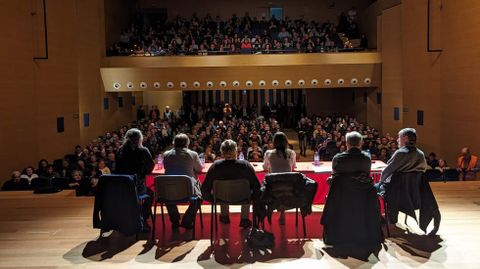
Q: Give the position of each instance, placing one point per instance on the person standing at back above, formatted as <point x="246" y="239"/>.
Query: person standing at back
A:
<point x="280" y="159"/>
<point x="135" y="159"/>
<point x="182" y="161"/>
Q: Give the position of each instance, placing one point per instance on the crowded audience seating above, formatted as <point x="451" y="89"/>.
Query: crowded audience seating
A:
<point x="238" y="35"/>
<point x="207" y="127"/>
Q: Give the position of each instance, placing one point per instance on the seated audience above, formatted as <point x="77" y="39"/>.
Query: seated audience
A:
<point x="102" y="166"/>
<point x="351" y="179"/>
<point x="182" y="161"/>
<point x="228" y="169"/>
<point x="206" y="36"/>
<point x="42" y="167"/>
<point x="408" y="158"/>
<point x="80" y="184"/>
<point x="432" y="160"/>
<point x="16" y="183"/>
<point x="468" y="165"/>
<point x="29" y="174"/>
<point x="50" y="173"/>
<point x="442" y="165"/>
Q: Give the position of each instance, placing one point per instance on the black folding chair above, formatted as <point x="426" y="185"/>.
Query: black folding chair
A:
<point x="282" y="186"/>
<point x="229" y="192"/>
<point x="174" y="190"/>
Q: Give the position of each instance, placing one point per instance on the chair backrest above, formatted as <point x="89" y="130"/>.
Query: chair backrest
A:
<point x="282" y="184"/>
<point x="405" y="191"/>
<point x="116" y="204"/>
<point x="173" y="188"/>
<point x="451" y="174"/>
<point x="433" y="175"/>
<point x="232" y="191"/>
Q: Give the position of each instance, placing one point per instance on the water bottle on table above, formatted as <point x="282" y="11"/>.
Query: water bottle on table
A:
<point x="316" y="159"/>
<point x="240" y="156"/>
<point x="202" y="160"/>
<point x="160" y="161"/>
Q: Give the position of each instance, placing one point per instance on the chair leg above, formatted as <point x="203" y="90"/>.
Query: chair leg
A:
<point x="163" y="216"/>
<point x="216" y="218"/>
<point x="406" y="216"/>
<point x="254" y="218"/>
<point x="201" y="215"/>
<point x="296" y="217"/>
<point x="194" y="221"/>
<point x="154" y="219"/>
<point x="385" y="209"/>
<point x="304" y="227"/>
<point x="212" y="223"/>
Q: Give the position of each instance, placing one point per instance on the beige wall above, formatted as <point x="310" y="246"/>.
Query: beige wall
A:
<point x="311" y="10"/>
<point x="118" y="16"/>
<point x="35" y="93"/>
<point x="392" y="79"/>
<point x="460" y="79"/>
<point x="442" y="84"/>
<point x="173" y="99"/>
<point x="339" y="101"/>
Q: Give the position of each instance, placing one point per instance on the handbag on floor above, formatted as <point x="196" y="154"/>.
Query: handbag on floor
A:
<point x="260" y="239"/>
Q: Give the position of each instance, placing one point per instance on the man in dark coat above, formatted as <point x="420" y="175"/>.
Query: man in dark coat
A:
<point x="352" y="213"/>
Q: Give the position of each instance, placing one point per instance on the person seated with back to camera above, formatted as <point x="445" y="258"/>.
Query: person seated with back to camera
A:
<point x="351" y="178"/>
<point x="135" y="159"/>
<point x="182" y="161"/>
<point x="280" y="159"/>
<point x="408" y="158"/>
<point x="228" y="169"/>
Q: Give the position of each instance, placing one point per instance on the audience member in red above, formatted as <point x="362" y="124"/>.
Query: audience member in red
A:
<point x="468" y="165"/>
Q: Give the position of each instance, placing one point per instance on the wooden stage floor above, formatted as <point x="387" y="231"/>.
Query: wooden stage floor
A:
<point x="55" y="230"/>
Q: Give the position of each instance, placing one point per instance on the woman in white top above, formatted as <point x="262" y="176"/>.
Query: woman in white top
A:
<point x="280" y="159"/>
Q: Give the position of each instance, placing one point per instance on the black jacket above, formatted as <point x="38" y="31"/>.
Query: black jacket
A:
<point x="117" y="205"/>
<point x="137" y="161"/>
<point x="407" y="192"/>
<point x="283" y="191"/>
<point x="351" y="215"/>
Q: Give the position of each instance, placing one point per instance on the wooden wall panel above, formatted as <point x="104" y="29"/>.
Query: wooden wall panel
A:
<point x="310" y="10"/>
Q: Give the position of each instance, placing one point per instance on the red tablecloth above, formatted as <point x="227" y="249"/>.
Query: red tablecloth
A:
<point x="318" y="173"/>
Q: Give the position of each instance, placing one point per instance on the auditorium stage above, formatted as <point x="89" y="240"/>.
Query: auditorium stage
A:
<point x="55" y="231"/>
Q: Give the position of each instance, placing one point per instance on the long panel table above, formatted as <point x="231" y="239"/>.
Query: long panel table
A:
<point x="318" y="173"/>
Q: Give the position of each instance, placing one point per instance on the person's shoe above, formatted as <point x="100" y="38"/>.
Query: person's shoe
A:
<point x="225" y="219"/>
<point x="281" y="219"/>
<point x="245" y="223"/>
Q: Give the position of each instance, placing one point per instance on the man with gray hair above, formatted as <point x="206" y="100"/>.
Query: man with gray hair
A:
<point x="228" y="169"/>
<point x="352" y="200"/>
<point x="182" y="161"/>
<point x="408" y="158"/>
